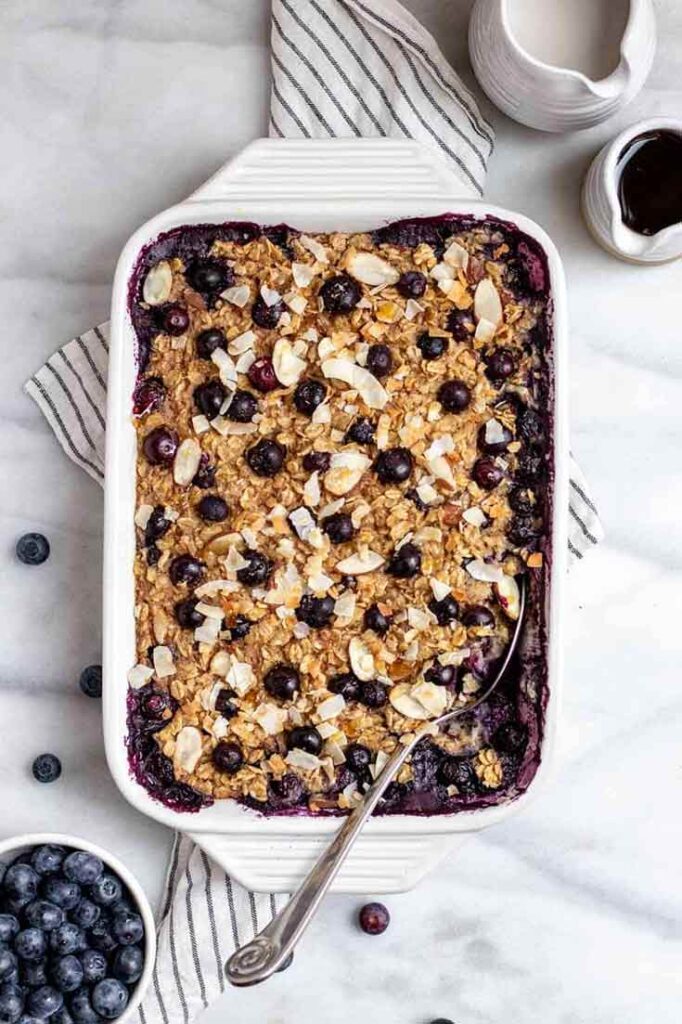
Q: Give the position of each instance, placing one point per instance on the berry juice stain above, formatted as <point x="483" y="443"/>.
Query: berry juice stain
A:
<point x="650" y="185"/>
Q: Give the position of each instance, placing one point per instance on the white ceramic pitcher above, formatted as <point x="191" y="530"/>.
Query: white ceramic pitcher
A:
<point x="542" y="94"/>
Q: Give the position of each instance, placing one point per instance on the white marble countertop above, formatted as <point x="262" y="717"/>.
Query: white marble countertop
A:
<point x="570" y="913"/>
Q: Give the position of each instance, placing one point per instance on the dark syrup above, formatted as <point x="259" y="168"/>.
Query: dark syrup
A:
<point x="650" y="186"/>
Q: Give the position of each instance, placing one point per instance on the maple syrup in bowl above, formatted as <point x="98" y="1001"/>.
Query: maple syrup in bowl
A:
<point x="650" y="181"/>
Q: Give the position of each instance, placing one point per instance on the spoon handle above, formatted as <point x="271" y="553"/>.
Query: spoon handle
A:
<point x="261" y="957"/>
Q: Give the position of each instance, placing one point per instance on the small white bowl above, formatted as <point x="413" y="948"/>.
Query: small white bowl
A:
<point x="16" y="845"/>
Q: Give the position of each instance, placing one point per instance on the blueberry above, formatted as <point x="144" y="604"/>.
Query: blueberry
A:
<point x="446" y="610"/>
<point x="213" y="509"/>
<point x="258" y="570"/>
<point x="44" y="1001"/>
<point x="109" y="998"/>
<point x="267" y="316"/>
<point x="282" y="681"/>
<point x="65" y="894"/>
<point x="11" y="1003"/>
<point x="81" y="1008"/>
<point x="266" y="458"/>
<point x="90" y="681"/>
<point x="47" y="860"/>
<point x="243" y="407"/>
<point x="440" y="675"/>
<point x="316" y="612"/>
<point x="127" y="964"/>
<point x="487" y="474"/>
<point x="33" y="549"/>
<point x="33" y="975"/>
<point x="44" y="915"/>
<point x="373" y="694"/>
<point x="358" y="757"/>
<point x="8" y="963"/>
<point x="347" y="684"/>
<point x="305" y="737"/>
<point x="406" y="562"/>
<point x="205" y="475"/>
<point x="94" y="964"/>
<point x="186" y="569"/>
<point x="262" y="375"/>
<point x="308" y="395"/>
<point x="379" y="360"/>
<point x="46" y="768"/>
<point x="82" y="867"/>
<point x="460" y="323"/>
<point x="67" y="973"/>
<point x="208" y="341"/>
<point x="209" y="276"/>
<point x="361" y="431"/>
<point x="224" y="704"/>
<point x="62" y="1016"/>
<point x="240" y="627"/>
<point x="153" y="705"/>
<point x="340" y="294"/>
<point x="454" y="395"/>
<point x="510" y="737"/>
<point x="503" y="438"/>
<point x="228" y="758"/>
<point x="186" y="614"/>
<point x="530" y="465"/>
<point x="209" y="398"/>
<point x="160" y="446"/>
<point x="500" y="364"/>
<point x="529" y="425"/>
<point x="431" y="346"/>
<point x="411" y="284"/>
<point x="393" y="465"/>
<point x="174" y="319"/>
<point x="413" y="496"/>
<point x="459" y="772"/>
<point x="67" y="938"/>
<point x="375" y="620"/>
<point x="149" y="395"/>
<point x="85" y="914"/>
<point x="21" y="881"/>
<point x="108" y="890"/>
<point x="316" y="462"/>
<point x="477" y="615"/>
<point x="374" y="918"/>
<point x="100" y="936"/>
<point x="287" y="791"/>
<point x="338" y="527"/>
<point x="157" y="525"/>
<point x="522" y="532"/>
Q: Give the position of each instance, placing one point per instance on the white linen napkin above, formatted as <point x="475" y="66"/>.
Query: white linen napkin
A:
<point x="339" y="68"/>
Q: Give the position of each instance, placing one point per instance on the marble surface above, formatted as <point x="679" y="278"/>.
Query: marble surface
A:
<point x="572" y="913"/>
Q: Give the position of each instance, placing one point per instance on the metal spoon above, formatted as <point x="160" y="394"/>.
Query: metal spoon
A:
<point x="261" y="957"/>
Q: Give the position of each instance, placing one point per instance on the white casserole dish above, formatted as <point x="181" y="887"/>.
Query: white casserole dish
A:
<point x="314" y="185"/>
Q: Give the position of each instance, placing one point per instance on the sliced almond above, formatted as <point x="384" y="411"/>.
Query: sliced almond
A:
<point x="487" y="302"/>
<point x="187" y="749"/>
<point x="361" y="659"/>
<point x="359" y="563"/>
<point x="163" y="662"/>
<point x="507" y="592"/>
<point x="186" y="462"/>
<point x="157" y="284"/>
<point x="371" y="269"/>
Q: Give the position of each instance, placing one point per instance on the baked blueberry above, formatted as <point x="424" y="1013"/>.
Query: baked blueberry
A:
<point x="43" y="915"/>
<point x="174" y="319"/>
<point x="47" y="768"/>
<point x="413" y="496"/>
<point x="379" y="360"/>
<point x="494" y="440"/>
<point x="316" y="612"/>
<point x="224" y="704"/>
<point x="262" y="375"/>
<point x="374" y="918"/>
<point x="213" y="509"/>
<point x="406" y="562"/>
<point x="287" y="791"/>
<point x="358" y="758"/>
<point x="308" y="395"/>
<point x="240" y="627"/>
<point x="440" y="675"/>
<point x="90" y="681"/>
<point x="108" y="890"/>
<point x="243" y="407"/>
<point x="338" y="527"/>
<point x="208" y="341"/>
<point x="511" y="737"/>
<point x="153" y="705"/>
<point x="446" y="610"/>
<point x="205" y="475"/>
<point x="266" y="458"/>
<point x="459" y="772"/>
<point x="282" y="681"/>
<point x="460" y="323"/>
<point x="186" y="569"/>
<point x="305" y="737"/>
<point x="209" y="397"/>
<point x="487" y="474"/>
<point x="109" y="998"/>
<point x="500" y="364"/>
<point x="521" y="500"/>
<point x="530" y="465"/>
<point x="9" y="927"/>
<point x="67" y="973"/>
<point x="347" y="684"/>
<point x="361" y="431"/>
<point x="47" y="860"/>
<point x="44" y="1001"/>
<point x="67" y="938"/>
<point x="61" y="891"/>
<point x="186" y="614"/>
<point x="477" y="615"/>
<point x="160" y="446"/>
<point x="393" y="465"/>
<point x="149" y="395"/>
<point x="94" y="964"/>
<point x="267" y="316"/>
<point x="373" y="694"/>
<point x="431" y="346"/>
<point x="86" y="913"/>
<point x="127" y="964"/>
<point x="157" y="525"/>
<point x="375" y="620"/>
<point x="411" y="284"/>
<point x="82" y="1009"/>
<point x="258" y="570"/>
<point x="8" y="964"/>
<point x="33" y="549"/>
<point x="454" y="395"/>
<point x="228" y="758"/>
<point x="529" y="425"/>
<point x="11" y="1002"/>
<point x="209" y="276"/>
<point x="316" y="462"/>
<point x="523" y="532"/>
<point x="340" y="294"/>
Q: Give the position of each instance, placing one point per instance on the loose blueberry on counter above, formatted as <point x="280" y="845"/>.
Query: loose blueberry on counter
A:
<point x="213" y="509"/>
<point x="240" y="627"/>
<point x="174" y="320"/>
<point x="208" y="341"/>
<point x="287" y="791"/>
<point x="266" y="458"/>
<point x="33" y="549"/>
<point x="461" y="325"/>
<point x="186" y="569"/>
<point x="127" y="964"/>
<point x="228" y="758"/>
<point x="406" y="562"/>
<point x="530" y="465"/>
<point x="43" y="915"/>
<point x="494" y="447"/>
<point x="160" y="446"/>
<point x="209" y="276"/>
<point x="209" y="397"/>
<point x="90" y="681"/>
<point x="441" y="675"/>
<point x="477" y="615"/>
<point x="67" y="973"/>
<point x="521" y="500"/>
<point x="500" y="364"/>
<point x="224" y="705"/>
<point x="361" y="431"/>
<point x="243" y="407"/>
<point x="431" y="346"/>
<point x="304" y="737"/>
<point x="316" y="462"/>
<point x="108" y="890"/>
<point x="487" y="474"/>
<point x="379" y="360"/>
<point x="347" y="684"/>
<point x="65" y="894"/>
<point x="205" y="475"/>
<point x="11" y="1002"/>
<point x="459" y="772"/>
<point x="446" y="610"/>
<point x="510" y="738"/>
<point x="338" y="527"/>
<point x="262" y="375"/>
<point x="358" y="758"/>
<point x="9" y="927"/>
<point x="374" y="918"/>
<point x="82" y="867"/>
<point x="308" y="395"/>
<point x="375" y="620"/>
<point x="522" y="532"/>
<point x="46" y="768"/>
<point x="67" y="938"/>
<point x="393" y="465"/>
<point x="86" y="913"/>
<point x="454" y="395"/>
<point x="186" y="614"/>
<point x="47" y="860"/>
<point x="44" y="1001"/>
<point x="282" y="681"/>
<point x="340" y="294"/>
<point x="267" y="316"/>
<point x="411" y="284"/>
<point x="8" y="964"/>
<point x="373" y="694"/>
<point x="94" y="964"/>
<point x="258" y="570"/>
<point x="316" y="612"/>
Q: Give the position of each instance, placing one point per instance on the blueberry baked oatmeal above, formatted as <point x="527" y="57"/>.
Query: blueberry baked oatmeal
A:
<point x="343" y="470"/>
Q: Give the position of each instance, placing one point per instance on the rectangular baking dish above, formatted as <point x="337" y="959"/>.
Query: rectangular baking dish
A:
<point x="314" y="185"/>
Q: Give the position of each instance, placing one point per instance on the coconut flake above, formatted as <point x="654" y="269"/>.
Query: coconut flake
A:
<point x="242" y="343"/>
<point x="157" y="284"/>
<point x="139" y="676"/>
<point x="298" y="758"/>
<point x="311" y="490"/>
<point x="287" y="365"/>
<point x="240" y="676"/>
<point x="346" y="469"/>
<point x="315" y="247"/>
<point x="487" y="302"/>
<point x="142" y="516"/>
<point x="438" y="588"/>
<point x="361" y="659"/>
<point x="474" y="516"/>
<point x="163" y="662"/>
<point x="334" y="751"/>
<point x="238" y="295"/>
<point x="371" y="269"/>
<point x="412" y="309"/>
<point x="301" y="630"/>
<point x="211" y="611"/>
<point x="457" y="256"/>
<point x="220" y="728"/>
<point x="380" y="760"/>
<point x="200" y="424"/>
<point x="344" y="606"/>
<point x="213" y="586"/>
<point x="443" y="273"/>
<point x="234" y="560"/>
<point x="220" y="662"/>
<point x="485" y="572"/>
<point x="245" y="362"/>
<point x="332" y="507"/>
<point x="365" y="383"/>
<point x="302" y="522"/>
<point x="454" y="657"/>
<point x="288" y="589"/>
<point x="226" y="368"/>
<point x="418" y="619"/>
<point x="404" y="703"/>
<point x="434" y="699"/>
<point x="331" y="707"/>
<point x="296" y="302"/>
<point x="187" y="748"/>
<point x="363" y="561"/>
<point x="303" y="274"/>
<point x="427" y="492"/>
<point x="270" y="296"/>
<point x="186" y="462"/>
<point x="270" y="718"/>
<point x="208" y="631"/>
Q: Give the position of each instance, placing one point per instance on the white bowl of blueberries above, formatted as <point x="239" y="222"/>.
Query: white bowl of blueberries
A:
<point x="77" y="936"/>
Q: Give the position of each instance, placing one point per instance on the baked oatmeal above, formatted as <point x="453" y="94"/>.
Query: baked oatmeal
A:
<point x="343" y="470"/>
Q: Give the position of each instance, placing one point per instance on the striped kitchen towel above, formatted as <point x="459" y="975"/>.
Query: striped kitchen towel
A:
<point x="339" y="68"/>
